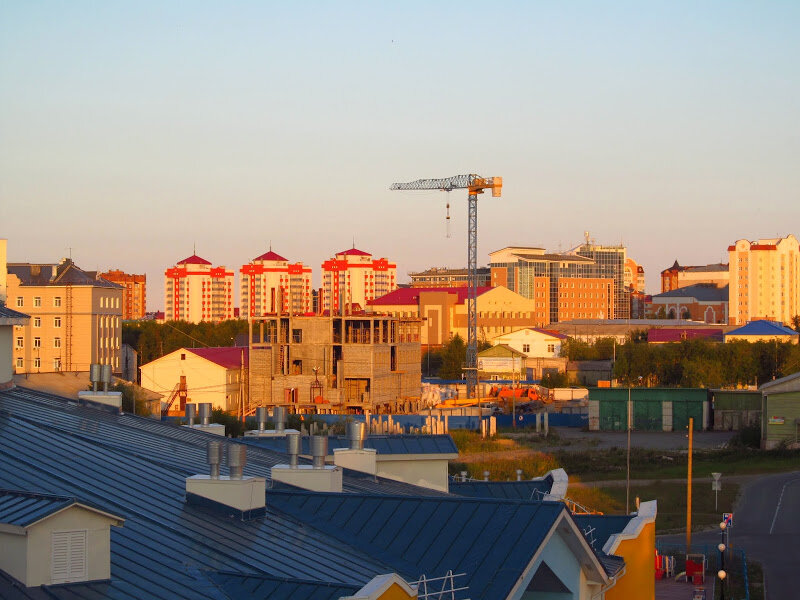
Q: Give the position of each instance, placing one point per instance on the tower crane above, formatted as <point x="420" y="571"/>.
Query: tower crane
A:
<point x="474" y="184"/>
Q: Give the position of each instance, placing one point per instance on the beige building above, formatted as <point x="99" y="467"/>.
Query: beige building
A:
<point x="352" y="278"/>
<point x="272" y="285"/>
<point x="134" y="293"/>
<point x="195" y="291"/>
<point x="76" y="318"/>
<point x="634" y="276"/>
<point x="764" y="280"/>
<point x="334" y="364"/>
<point x="215" y="375"/>
<point x="445" y="311"/>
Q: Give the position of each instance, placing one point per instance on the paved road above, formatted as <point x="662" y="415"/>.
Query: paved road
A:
<point x="767" y="526"/>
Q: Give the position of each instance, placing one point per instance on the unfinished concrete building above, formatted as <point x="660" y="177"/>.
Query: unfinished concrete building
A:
<point x="334" y="364"/>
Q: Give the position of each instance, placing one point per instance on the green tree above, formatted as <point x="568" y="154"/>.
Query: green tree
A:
<point x="454" y="355"/>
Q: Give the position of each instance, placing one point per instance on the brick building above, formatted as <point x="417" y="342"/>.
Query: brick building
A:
<point x="134" y="293"/>
<point x="352" y="278"/>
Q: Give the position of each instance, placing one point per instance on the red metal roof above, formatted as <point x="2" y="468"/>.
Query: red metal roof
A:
<point x="410" y="296"/>
<point x="656" y="336"/>
<point x="229" y="357"/>
<point x="270" y="256"/>
<point x="354" y="252"/>
<point x="194" y="260"/>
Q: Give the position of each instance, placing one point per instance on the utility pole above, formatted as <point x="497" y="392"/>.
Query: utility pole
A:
<point x="689" y="491"/>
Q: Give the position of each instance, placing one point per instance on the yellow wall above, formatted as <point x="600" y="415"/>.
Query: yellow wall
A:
<point x="395" y="592"/>
<point x="639" y="580"/>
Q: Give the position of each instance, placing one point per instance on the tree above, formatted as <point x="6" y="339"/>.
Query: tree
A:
<point x="454" y="355"/>
<point x="796" y="322"/>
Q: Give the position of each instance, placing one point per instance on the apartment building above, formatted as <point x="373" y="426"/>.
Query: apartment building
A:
<point x="195" y="291"/>
<point x="442" y="277"/>
<point x="134" y="293"/>
<point x="75" y="317"/>
<point x="270" y="284"/>
<point x="352" y="278"/>
<point x="679" y="276"/>
<point x="764" y="280"/>
<point x="564" y="286"/>
<point x="634" y="276"/>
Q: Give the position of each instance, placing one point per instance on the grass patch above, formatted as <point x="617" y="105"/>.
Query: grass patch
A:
<point x="469" y="442"/>
<point x="671" y="499"/>
<point x="534" y="464"/>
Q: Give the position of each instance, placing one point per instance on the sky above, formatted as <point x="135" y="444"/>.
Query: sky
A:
<point x="131" y="132"/>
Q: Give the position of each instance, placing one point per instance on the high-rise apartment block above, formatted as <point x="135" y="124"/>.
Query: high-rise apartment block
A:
<point x="272" y="285"/>
<point x="564" y="286"/>
<point x="352" y="278"/>
<point x="76" y="318"/>
<point x="764" y="280"/>
<point x="134" y="293"/>
<point x="634" y="276"/>
<point x="195" y="291"/>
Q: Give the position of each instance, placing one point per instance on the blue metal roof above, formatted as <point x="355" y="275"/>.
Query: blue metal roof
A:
<point x="382" y="444"/>
<point x="763" y="327"/>
<point x="24" y="508"/>
<point x="492" y="541"/>
<point x="236" y="585"/>
<point x="598" y="528"/>
<point x="517" y="490"/>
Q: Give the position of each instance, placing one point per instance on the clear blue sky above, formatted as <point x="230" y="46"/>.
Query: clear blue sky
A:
<point x="129" y="131"/>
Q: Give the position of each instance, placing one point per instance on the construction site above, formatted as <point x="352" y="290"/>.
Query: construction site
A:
<point x="340" y="364"/>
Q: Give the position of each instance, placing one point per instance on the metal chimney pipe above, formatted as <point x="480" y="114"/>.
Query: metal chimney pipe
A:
<point x="237" y="459"/>
<point x="293" y="448"/>
<point x="214" y="458"/>
<point x="519" y="474"/>
<point x="191" y="413"/>
<point x="463" y="475"/>
<point x="106" y="375"/>
<point x="94" y="375"/>
<point x="279" y="418"/>
<point x="355" y="435"/>
<point x="486" y="475"/>
<point x="319" y="450"/>
<point x="261" y="417"/>
<point x="205" y="412"/>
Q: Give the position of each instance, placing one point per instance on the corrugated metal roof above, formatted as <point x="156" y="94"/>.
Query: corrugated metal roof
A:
<point x="25" y="508"/>
<point x="230" y="357"/>
<point x="762" y="327"/>
<point x="14" y="317"/>
<point x="492" y="541"/>
<point x="382" y="444"/>
<point x="704" y="292"/>
<point x="598" y="528"/>
<point x="531" y="490"/>
<point x="236" y="585"/>
<point x="655" y="336"/>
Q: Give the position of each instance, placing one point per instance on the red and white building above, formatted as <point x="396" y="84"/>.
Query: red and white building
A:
<point x="271" y="285"/>
<point x="352" y="278"/>
<point x="195" y="291"/>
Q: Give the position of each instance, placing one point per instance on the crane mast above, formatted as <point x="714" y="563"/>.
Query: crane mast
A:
<point x="475" y="184"/>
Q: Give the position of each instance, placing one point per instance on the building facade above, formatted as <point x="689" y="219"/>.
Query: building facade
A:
<point x="563" y="286"/>
<point x="764" y="280"/>
<point x="634" y="276"/>
<point x="678" y="276"/>
<point x="270" y="284"/>
<point x="195" y="291"/>
<point x="76" y="318"/>
<point x="700" y="302"/>
<point x="442" y="277"/>
<point x="352" y="278"/>
<point x="609" y="264"/>
<point x="134" y="293"/>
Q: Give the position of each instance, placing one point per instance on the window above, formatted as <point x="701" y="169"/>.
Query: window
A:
<point x="37" y="362"/>
<point x="183" y="357"/>
<point x="20" y="302"/>
<point x="551" y="347"/>
<point x="57" y="364"/>
<point x="297" y="336"/>
<point x="37" y="322"/>
<point x="526" y="348"/>
<point x="20" y="363"/>
<point x="56" y="322"/>
<point x="20" y="342"/>
<point x="57" y="301"/>
<point x="37" y="342"/>
<point x="68" y="556"/>
<point x="57" y="342"/>
<point x="37" y="301"/>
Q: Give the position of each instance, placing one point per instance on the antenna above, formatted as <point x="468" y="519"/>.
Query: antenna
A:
<point x="447" y="219"/>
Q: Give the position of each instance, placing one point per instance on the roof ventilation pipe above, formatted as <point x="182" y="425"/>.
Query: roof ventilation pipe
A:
<point x="237" y="459"/>
<point x="519" y="474"/>
<point x="355" y="435"/>
<point x="261" y="417"/>
<point x="279" y="418"/>
<point x="106" y="376"/>
<point x="486" y="475"/>
<point x="191" y="413"/>
<point x="319" y="450"/>
<point x="205" y="413"/>
<point x="293" y="448"/>
<point x="214" y="458"/>
<point x="94" y="375"/>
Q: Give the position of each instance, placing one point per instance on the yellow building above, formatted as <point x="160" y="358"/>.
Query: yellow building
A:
<point x="445" y="311"/>
<point x="76" y="318"/>
<point x="764" y="280"/>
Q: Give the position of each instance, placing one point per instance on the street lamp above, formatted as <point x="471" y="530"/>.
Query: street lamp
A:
<point x="721" y="573"/>
<point x="628" y="455"/>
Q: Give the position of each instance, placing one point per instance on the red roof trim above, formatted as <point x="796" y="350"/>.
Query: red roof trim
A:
<point x="194" y="260"/>
<point x="271" y="256"/>
<point x="354" y="252"/>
